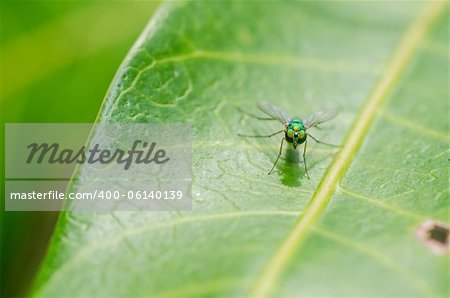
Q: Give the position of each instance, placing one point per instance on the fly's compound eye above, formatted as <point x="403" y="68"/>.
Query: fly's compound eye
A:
<point x="290" y="134"/>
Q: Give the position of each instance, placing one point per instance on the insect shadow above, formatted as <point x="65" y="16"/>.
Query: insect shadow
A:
<point x="291" y="169"/>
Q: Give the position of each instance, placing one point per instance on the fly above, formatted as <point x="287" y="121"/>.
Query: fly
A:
<point x="295" y="129"/>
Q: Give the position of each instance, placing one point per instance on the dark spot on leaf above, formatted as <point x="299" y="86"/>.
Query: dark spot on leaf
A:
<point x="435" y="235"/>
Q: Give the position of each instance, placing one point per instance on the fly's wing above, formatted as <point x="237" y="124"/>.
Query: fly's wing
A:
<point x="319" y="117"/>
<point x="274" y="111"/>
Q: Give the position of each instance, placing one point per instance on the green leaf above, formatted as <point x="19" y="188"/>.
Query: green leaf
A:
<point x="349" y="231"/>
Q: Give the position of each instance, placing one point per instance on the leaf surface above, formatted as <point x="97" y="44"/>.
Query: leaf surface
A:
<point x="349" y="231"/>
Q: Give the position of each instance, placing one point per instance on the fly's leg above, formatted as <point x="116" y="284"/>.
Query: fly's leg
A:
<point x="258" y="136"/>
<point x="320" y="142"/>
<point x="268" y="136"/>
<point x="278" y="157"/>
<point x="304" y="160"/>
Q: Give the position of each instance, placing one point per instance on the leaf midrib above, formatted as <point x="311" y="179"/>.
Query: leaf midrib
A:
<point x="409" y="44"/>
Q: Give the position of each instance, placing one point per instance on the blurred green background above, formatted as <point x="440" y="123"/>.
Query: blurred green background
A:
<point x="57" y="59"/>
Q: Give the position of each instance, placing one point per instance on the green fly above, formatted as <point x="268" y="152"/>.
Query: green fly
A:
<point x="295" y="129"/>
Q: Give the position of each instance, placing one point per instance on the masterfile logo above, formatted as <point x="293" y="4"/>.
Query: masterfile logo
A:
<point x="53" y="154"/>
<point x="106" y="167"/>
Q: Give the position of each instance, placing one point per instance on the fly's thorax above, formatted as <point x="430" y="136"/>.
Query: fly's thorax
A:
<point x="295" y="132"/>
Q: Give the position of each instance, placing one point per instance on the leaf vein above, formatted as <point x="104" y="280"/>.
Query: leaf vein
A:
<point x="409" y="44"/>
<point x="378" y="203"/>
<point x="382" y="259"/>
